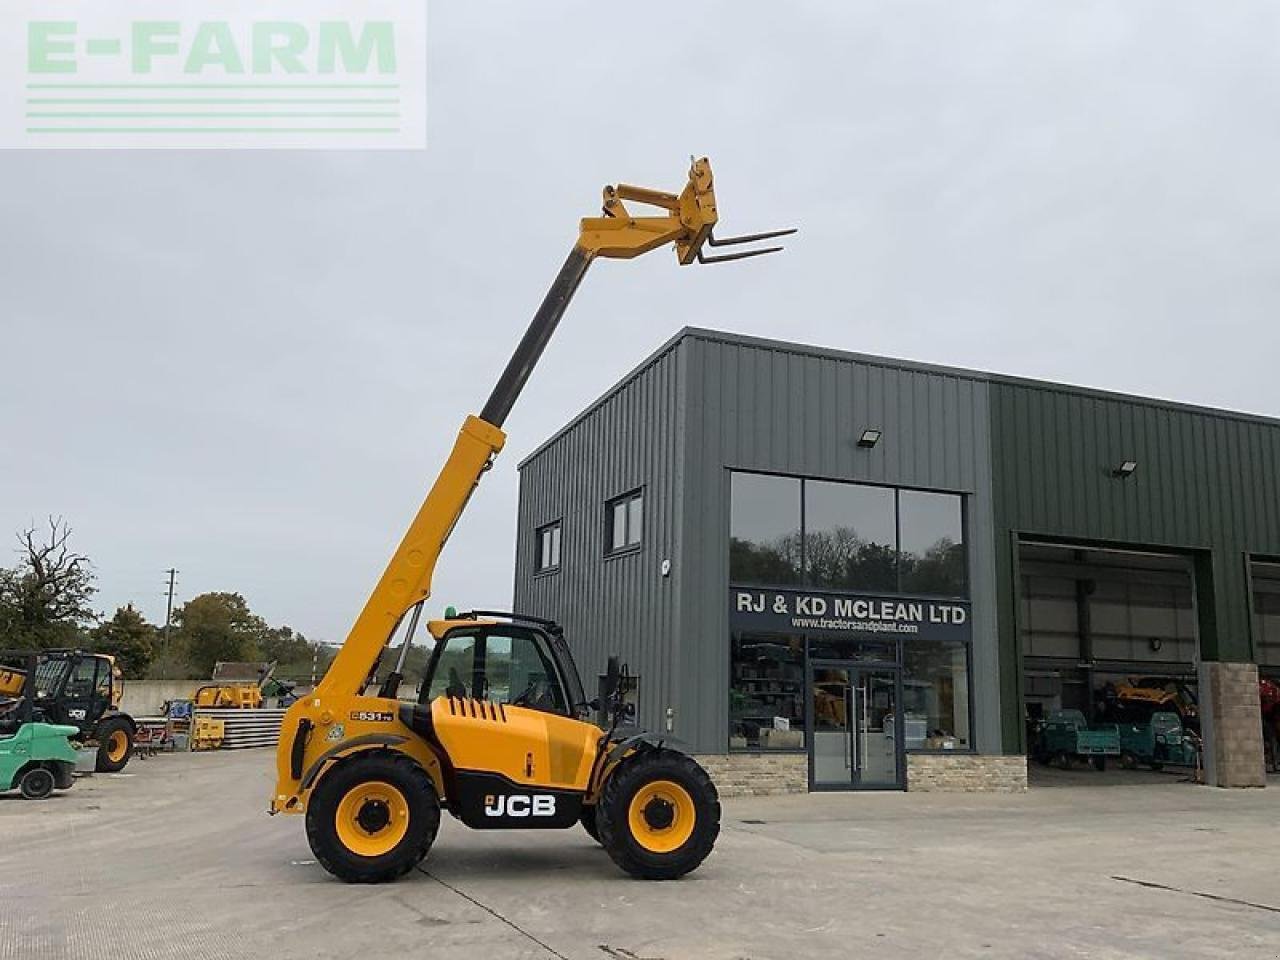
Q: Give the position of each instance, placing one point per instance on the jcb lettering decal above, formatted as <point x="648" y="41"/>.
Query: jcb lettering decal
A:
<point x="520" y="805"/>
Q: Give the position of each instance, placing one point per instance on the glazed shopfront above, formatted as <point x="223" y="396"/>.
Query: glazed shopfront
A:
<point x="851" y="628"/>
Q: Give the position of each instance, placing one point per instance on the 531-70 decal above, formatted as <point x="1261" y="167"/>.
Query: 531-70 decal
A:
<point x="372" y="716"/>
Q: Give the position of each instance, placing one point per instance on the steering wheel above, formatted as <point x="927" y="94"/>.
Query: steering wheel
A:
<point x="535" y="694"/>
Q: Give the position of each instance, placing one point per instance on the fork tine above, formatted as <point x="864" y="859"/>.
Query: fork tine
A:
<point x="726" y="257"/>
<point x="749" y="237"/>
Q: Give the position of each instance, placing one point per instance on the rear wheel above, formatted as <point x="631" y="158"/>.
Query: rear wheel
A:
<point x="588" y="820"/>
<point x="373" y="818"/>
<point x="115" y="745"/>
<point x="659" y="815"/>
<point x="37" y="783"/>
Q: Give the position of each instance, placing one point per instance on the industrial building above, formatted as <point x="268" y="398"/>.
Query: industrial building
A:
<point x="835" y="571"/>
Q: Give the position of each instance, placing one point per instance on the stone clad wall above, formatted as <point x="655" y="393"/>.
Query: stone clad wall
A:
<point x="762" y="774"/>
<point x="1232" y="719"/>
<point x="966" y="773"/>
<point x="757" y="775"/>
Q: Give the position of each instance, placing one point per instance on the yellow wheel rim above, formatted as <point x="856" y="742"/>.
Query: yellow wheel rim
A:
<point x="117" y="745"/>
<point x="372" y="818"/>
<point x="661" y="816"/>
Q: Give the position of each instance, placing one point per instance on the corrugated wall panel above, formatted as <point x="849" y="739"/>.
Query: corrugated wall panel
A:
<point x="756" y="405"/>
<point x="619" y="604"/>
<point x="1207" y="482"/>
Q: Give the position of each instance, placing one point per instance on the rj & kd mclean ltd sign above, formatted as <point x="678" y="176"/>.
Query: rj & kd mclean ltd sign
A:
<point x="884" y="615"/>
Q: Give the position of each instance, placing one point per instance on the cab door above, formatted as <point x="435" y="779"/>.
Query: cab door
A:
<point x="87" y="693"/>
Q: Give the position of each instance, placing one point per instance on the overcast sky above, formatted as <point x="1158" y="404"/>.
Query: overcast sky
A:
<point x="251" y="365"/>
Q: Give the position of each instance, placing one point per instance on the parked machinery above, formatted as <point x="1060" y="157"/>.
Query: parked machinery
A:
<point x="75" y="688"/>
<point x="1066" y="737"/>
<point x="1269" y="701"/>
<point x="36" y="758"/>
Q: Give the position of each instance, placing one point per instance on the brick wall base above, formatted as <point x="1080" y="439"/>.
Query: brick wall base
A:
<point x="966" y="773"/>
<point x="1231" y="718"/>
<point x="757" y="775"/>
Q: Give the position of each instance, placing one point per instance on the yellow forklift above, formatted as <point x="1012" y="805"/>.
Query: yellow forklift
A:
<point x="500" y="734"/>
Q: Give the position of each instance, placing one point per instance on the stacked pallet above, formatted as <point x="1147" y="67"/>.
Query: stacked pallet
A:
<point x="245" y="727"/>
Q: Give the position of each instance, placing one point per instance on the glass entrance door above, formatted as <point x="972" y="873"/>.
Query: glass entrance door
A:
<point x="854" y="709"/>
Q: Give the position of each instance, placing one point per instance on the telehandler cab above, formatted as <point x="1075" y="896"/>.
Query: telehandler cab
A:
<point x="500" y="735"/>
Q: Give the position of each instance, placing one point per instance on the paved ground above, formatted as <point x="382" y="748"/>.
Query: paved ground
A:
<point x="177" y="859"/>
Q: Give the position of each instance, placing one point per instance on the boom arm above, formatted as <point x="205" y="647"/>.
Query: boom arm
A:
<point x="688" y="223"/>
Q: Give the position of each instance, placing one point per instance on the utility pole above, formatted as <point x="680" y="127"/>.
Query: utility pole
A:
<point x="168" y="612"/>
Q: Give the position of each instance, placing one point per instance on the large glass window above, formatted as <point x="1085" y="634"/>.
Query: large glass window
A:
<point x="845" y="536"/>
<point x="764" y="530"/>
<point x="849" y="537"/>
<point x="766" y="705"/>
<point x="935" y="692"/>
<point x="931" y="543"/>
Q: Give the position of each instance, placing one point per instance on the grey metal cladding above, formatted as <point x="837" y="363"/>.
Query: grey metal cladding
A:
<point x="621" y="604"/>
<point x="761" y="405"/>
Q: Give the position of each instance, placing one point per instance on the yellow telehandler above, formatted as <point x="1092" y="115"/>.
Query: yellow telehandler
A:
<point x="500" y="735"/>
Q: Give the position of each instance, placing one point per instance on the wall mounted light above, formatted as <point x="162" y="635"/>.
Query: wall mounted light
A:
<point x="869" y="438"/>
<point x="1125" y="469"/>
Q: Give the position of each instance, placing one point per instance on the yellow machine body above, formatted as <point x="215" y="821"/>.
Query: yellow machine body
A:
<point x="244" y="696"/>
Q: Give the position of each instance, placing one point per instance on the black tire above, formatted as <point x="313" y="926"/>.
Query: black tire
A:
<point x="1098" y="763"/>
<point x="115" y="745"/>
<point x="423" y="811"/>
<point x="1128" y="761"/>
<point x="63" y="774"/>
<point x="1062" y="760"/>
<point x="588" y="820"/>
<point x="37" y="783"/>
<point x="632" y="776"/>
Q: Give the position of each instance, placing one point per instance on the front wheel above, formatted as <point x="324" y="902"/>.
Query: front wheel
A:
<point x="373" y="817"/>
<point x="659" y="815"/>
<point x="115" y="745"/>
<point x="37" y="783"/>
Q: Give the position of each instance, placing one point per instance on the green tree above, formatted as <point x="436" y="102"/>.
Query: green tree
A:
<point x="129" y="638"/>
<point x="44" y="600"/>
<point x="218" y="626"/>
<point x="284" y="646"/>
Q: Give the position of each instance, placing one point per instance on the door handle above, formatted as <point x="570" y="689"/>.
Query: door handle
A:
<point x="851" y="725"/>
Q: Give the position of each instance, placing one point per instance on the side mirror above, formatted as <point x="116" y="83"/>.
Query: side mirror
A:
<point x="607" y="692"/>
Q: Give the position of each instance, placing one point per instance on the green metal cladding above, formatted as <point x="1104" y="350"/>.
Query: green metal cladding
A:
<point x="1207" y="485"/>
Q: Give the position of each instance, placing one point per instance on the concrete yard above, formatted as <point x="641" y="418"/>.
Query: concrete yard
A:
<point x="177" y="858"/>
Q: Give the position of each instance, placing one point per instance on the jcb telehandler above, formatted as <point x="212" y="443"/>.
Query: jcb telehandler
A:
<point x="500" y="735"/>
<point x="80" y="689"/>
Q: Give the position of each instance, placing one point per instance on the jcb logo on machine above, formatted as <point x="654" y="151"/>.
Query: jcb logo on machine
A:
<point x="372" y="716"/>
<point x="77" y="714"/>
<point x="519" y="805"/>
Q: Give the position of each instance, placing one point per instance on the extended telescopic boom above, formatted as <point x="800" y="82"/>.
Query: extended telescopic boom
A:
<point x="688" y="222"/>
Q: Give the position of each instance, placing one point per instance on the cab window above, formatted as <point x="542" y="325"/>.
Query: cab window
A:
<point x="511" y="668"/>
<point x="83" y="677"/>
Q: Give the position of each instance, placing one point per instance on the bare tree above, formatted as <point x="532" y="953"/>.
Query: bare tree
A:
<point x="44" y="600"/>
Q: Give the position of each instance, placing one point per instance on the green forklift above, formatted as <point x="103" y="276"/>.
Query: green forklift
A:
<point x="36" y="758"/>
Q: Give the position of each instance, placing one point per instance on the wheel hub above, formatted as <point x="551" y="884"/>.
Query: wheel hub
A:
<point x="659" y="814"/>
<point x="374" y="815"/>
